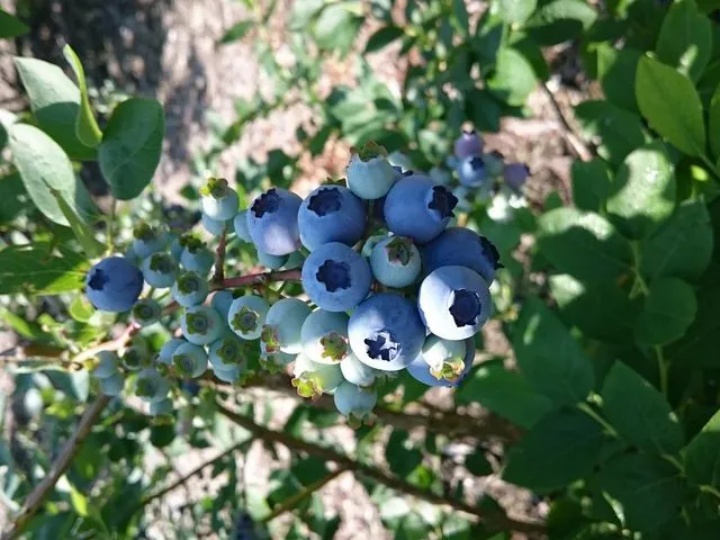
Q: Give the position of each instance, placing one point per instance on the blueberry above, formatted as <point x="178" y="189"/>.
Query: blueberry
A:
<point x="440" y="175"/>
<point x="472" y="171"/>
<point x="213" y="226"/>
<point x="335" y="277"/>
<point x="221" y="302"/>
<point x="190" y="289"/>
<point x="201" y="325"/>
<point x="240" y="224"/>
<point x="283" y="324"/>
<point x="151" y="386"/>
<point x="196" y="257"/>
<point x="454" y="302"/>
<point x="227" y="352"/>
<point x="420" y="370"/>
<point x="331" y="214"/>
<point x="146" y="312"/>
<point x="399" y="160"/>
<point x="446" y="358"/>
<point x="168" y="349"/>
<point x="246" y="316"/>
<point x="159" y="270"/>
<point x="312" y="379"/>
<point x="190" y="360"/>
<point x="352" y="400"/>
<point x="114" y="284"/>
<point x="395" y="262"/>
<point x="274" y="361"/>
<point x="219" y="201"/>
<point x="386" y="332"/>
<point x="273" y="262"/>
<point x="107" y="364"/>
<point x="494" y="163"/>
<point x="273" y="222"/>
<point x="148" y="240"/>
<point x="458" y="246"/>
<point x="112" y="385"/>
<point x="176" y="249"/>
<point x="419" y="208"/>
<point x="468" y="144"/>
<point x="160" y="408"/>
<point x="515" y="175"/>
<point x="324" y="336"/>
<point x="369" y="175"/>
<point x="354" y="371"/>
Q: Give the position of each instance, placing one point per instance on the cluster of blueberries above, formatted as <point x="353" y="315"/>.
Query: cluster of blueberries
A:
<point x="391" y="284"/>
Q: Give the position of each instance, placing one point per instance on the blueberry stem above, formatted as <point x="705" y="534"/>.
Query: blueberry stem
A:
<point x="220" y="257"/>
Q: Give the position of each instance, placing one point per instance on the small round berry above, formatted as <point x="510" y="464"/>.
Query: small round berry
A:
<point x="136" y="357"/>
<point x="440" y="175"/>
<point x="335" y="277"/>
<point x="458" y="246"/>
<point x="472" y="172"/>
<point x="272" y="222"/>
<point x="168" y="349"/>
<point x="369" y="175"/>
<point x="421" y="371"/>
<point x="515" y="175"/>
<point x="146" y="312"/>
<point x="446" y="358"/>
<point x="272" y="262"/>
<point x="196" y="257"/>
<point x="219" y="201"/>
<point x="353" y="400"/>
<point x="114" y="284"/>
<point x="324" y="336"/>
<point x="161" y="408"/>
<point x="494" y="163"/>
<point x="276" y="361"/>
<point x="313" y="379"/>
<point x="400" y="160"/>
<point x="227" y="352"/>
<point x="454" y="302"/>
<point x="246" y="316"/>
<point x="386" y="332"/>
<point x="213" y="226"/>
<point x="395" y="262"/>
<point x="240" y="224"/>
<point x="107" y="365"/>
<point x="201" y="325"/>
<point x="221" y="302"/>
<point x="151" y="386"/>
<point x="112" y="385"/>
<point x="190" y="360"/>
<point x="331" y="214"/>
<point x="354" y="371"/>
<point x="468" y="144"/>
<point x="148" y="240"/>
<point x="418" y="208"/>
<point x="190" y="289"/>
<point x="160" y="270"/>
<point x="283" y="325"/>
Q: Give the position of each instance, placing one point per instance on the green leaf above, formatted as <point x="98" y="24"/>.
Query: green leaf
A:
<point x="484" y="110"/>
<point x="590" y="184"/>
<point x="383" y="37"/>
<point x="619" y="131"/>
<point x="86" y="127"/>
<point x="617" y="70"/>
<point x="44" y="167"/>
<point x="514" y="77"/>
<point x="55" y="101"/>
<point x="670" y="308"/>
<point x="685" y="40"/>
<point x="84" y="234"/>
<point x="714" y="123"/>
<point x="583" y="244"/>
<point x="702" y="456"/>
<point x="131" y="146"/>
<point x="659" y="89"/>
<point x="478" y="464"/>
<point x="643" y="191"/>
<point x="560" y="20"/>
<point x="400" y="455"/>
<point x="460" y="18"/>
<point x="682" y="247"/>
<point x="237" y="31"/>
<point x="11" y="26"/>
<point x="506" y="393"/>
<point x="639" y="412"/>
<point x="550" y="358"/>
<point x="13" y="198"/>
<point x="337" y="27"/>
<point x="647" y="489"/>
<point x="515" y="11"/>
<point x="36" y="269"/>
<point x="562" y="447"/>
<point x="79" y="502"/>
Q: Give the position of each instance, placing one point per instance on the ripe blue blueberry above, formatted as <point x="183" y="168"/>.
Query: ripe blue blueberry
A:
<point x="221" y="302"/>
<point x="515" y="175"/>
<point x="219" y="201"/>
<point x="395" y="262"/>
<point x="468" y="144"/>
<point x="419" y="208"/>
<point x="146" y="312"/>
<point x="283" y="325"/>
<point x="196" y="257"/>
<point x="159" y="270"/>
<point x="353" y="400"/>
<point x="107" y="364"/>
<point x="312" y="379"/>
<point x="112" y="385"/>
<point x="354" y="371"/>
<point x="335" y="277"/>
<point x="190" y="360"/>
<point x="161" y="408"/>
<point x="201" y="325"/>
<point x="213" y="226"/>
<point x="421" y="371"/>
<point x="369" y="175"/>
<point x="246" y="316"/>
<point x="454" y="302"/>
<point x="114" y="284"/>
<point x="331" y="214"/>
<point x="472" y="171"/>
<point x="272" y="222"/>
<point x="168" y="349"/>
<point x="151" y="386"/>
<point x="386" y="332"/>
<point x="148" y="240"/>
<point x="190" y="289"/>
<point x="324" y="336"/>
<point x="240" y="224"/>
<point x="458" y="246"/>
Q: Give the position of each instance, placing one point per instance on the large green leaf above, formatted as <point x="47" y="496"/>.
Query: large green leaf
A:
<point x="617" y="70"/>
<point x="55" y="101"/>
<point x="86" y="127"/>
<point x="514" y="11"/>
<point x="11" y="26"/>
<point x="506" y="393"/>
<point x="131" y="146"/>
<point x="383" y="37"/>
<point x="561" y="448"/>
<point x="514" y="77"/>
<point x="714" y="123"/>
<point x="685" y="40"/>
<point x="659" y="90"/>
<point x="702" y="457"/>
<point x="46" y="169"/>
<point x="639" y="412"/>
<point x="647" y="489"/>
<point x="13" y="198"/>
<point x="549" y="357"/>
<point x="590" y="184"/>
<point x="682" y="247"/>
<point x="670" y="308"/>
<point x="643" y="191"/>
<point x="560" y="20"/>
<point x="35" y="269"/>
<point x="237" y="31"/>
<point x="583" y="244"/>
<point x="337" y="26"/>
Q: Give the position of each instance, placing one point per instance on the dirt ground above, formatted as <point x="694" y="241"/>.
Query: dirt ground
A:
<point x="167" y="49"/>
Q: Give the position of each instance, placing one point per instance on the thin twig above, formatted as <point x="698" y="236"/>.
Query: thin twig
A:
<point x="38" y="495"/>
<point x="220" y="258"/>
<point x="579" y="147"/>
<point x="260" y="279"/>
<point x="496" y="521"/>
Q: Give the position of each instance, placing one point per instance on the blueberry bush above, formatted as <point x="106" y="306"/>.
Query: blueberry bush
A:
<point x="345" y="332"/>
